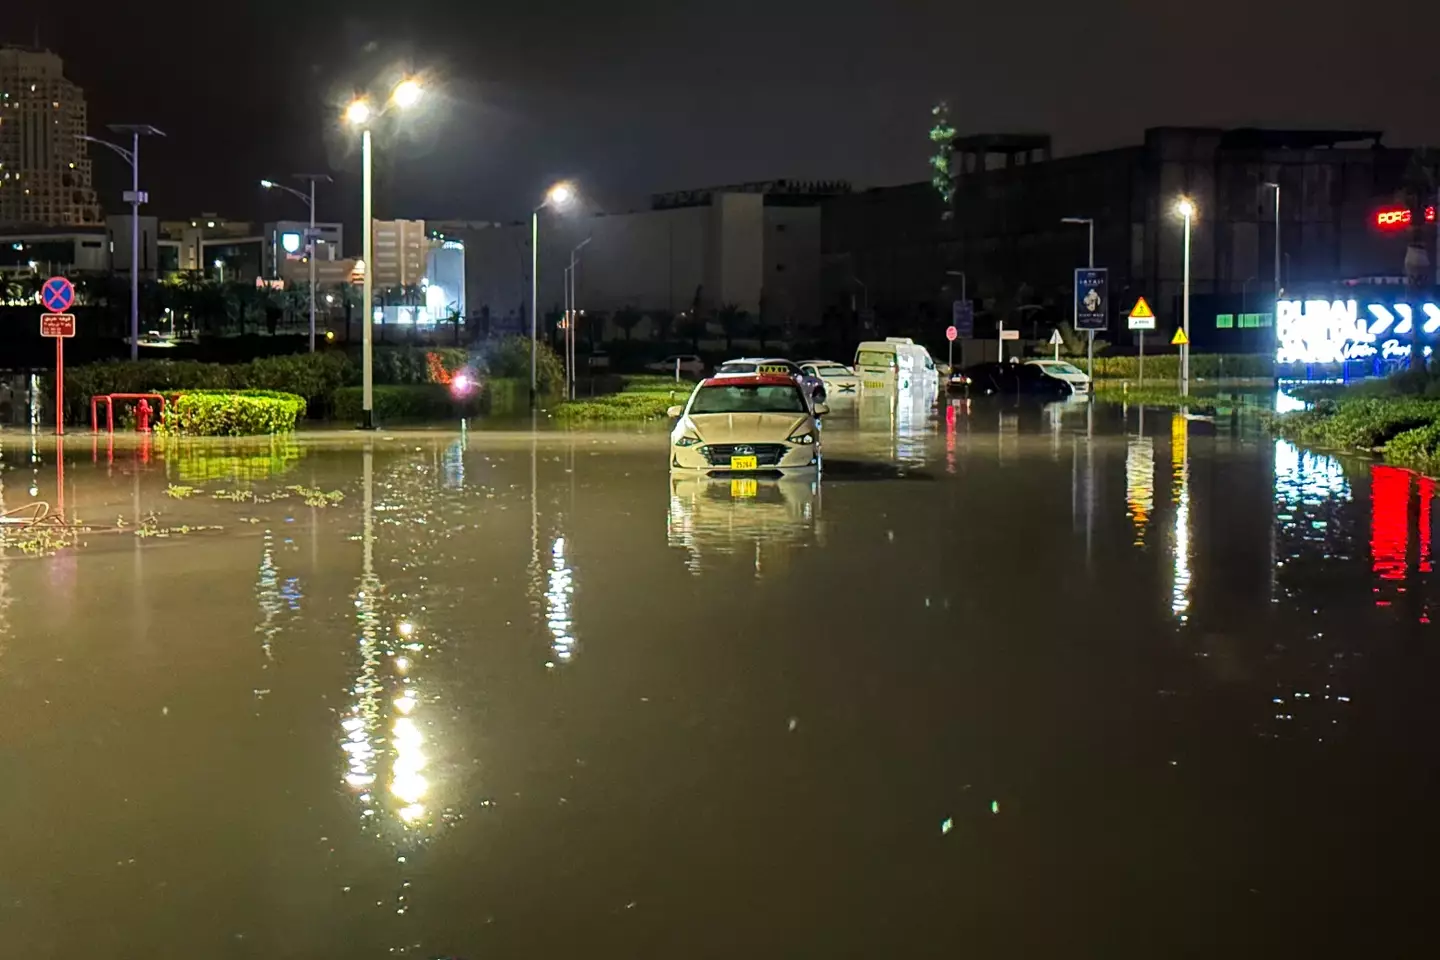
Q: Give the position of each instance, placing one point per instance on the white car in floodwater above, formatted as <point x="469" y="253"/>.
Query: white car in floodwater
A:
<point x="1060" y="370"/>
<point x="841" y="383"/>
<point x="740" y="425"/>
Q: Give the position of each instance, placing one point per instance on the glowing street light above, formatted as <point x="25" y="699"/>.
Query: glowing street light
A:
<point x="407" y="93"/>
<point x="1185" y="207"/>
<point x="559" y="195"/>
<point x="359" y="113"/>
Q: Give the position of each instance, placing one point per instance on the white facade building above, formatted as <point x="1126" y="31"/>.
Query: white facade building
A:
<point x="729" y="248"/>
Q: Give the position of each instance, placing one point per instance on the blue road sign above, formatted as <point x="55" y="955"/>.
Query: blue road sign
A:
<point x="962" y="317"/>
<point x="1092" y="299"/>
<point x="58" y="294"/>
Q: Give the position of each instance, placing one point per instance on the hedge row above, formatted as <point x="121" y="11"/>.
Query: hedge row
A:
<point x="1405" y="430"/>
<point x="231" y="413"/>
<point x="1166" y="366"/>
<point x="313" y="376"/>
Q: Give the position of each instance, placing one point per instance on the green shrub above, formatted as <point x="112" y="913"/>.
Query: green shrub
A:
<point x="231" y="413"/>
<point x="400" y="402"/>
<point x="411" y="365"/>
<point x="1418" y="449"/>
<point x="509" y="357"/>
<point x="1166" y="366"/>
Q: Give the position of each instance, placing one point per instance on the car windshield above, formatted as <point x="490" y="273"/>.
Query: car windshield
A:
<point x="875" y="358"/>
<point x="735" y="367"/>
<point x="832" y="370"/>
<point x="1062" y="368"/>
<point x="747" y="399"/>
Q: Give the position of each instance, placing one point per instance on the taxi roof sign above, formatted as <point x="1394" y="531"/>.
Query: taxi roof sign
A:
<point x="1179" y="340"/>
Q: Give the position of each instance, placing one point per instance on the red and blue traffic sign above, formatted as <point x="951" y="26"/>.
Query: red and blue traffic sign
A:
<point x="58" y="294"/>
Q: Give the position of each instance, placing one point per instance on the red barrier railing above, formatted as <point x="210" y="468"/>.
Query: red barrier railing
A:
<point x="109" y="400"/>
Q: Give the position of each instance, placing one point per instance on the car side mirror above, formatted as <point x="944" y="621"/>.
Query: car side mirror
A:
<point x="674" y="412"/>
<point x="821" y="409"/>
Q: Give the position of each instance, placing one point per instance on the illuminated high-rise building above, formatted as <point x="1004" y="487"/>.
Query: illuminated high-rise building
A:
<point x="44" y="165"/>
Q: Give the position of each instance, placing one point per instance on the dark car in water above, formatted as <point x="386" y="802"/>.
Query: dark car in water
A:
<point x="1010" y="379"/>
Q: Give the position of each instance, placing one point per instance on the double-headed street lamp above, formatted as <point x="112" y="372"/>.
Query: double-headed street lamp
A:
<point x="134" y="197"/>
<point x="310" y="237"/>
<point x="361" y="114"/>
<point x="1185" y="208"/>
<point x="557" y="196"/>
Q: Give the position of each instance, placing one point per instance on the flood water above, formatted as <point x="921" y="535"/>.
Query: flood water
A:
<point x="1008" y="681"/>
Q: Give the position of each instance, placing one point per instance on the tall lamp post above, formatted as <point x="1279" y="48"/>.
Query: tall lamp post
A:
<point x="360" y="114"/>
<point x="573" y="317"/>
<point x="1089" y="223"/>
<point x="558" y="196"/>
<point x="134" y="197"/>
<point x="1186" y="208"/>
<point x="1274" y="185"/>
<point x="310" y="237"/>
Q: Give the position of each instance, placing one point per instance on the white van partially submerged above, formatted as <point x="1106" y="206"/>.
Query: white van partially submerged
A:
<point x="895" y="364"/>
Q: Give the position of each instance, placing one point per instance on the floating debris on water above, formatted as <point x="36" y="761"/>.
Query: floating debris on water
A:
<point x="179" y="491"/>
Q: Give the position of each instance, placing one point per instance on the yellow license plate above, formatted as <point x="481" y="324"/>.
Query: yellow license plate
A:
<point x="744" y="463"/>
<point x="874" y="384"/>
<point x="744" y="488"/>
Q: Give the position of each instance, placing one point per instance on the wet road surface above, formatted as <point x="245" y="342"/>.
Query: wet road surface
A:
<point x="1008" y="681"/>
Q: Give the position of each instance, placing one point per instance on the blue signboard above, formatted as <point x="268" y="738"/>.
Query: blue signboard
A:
<point x="1092" y="299"/>
<point x="962" y="317"/>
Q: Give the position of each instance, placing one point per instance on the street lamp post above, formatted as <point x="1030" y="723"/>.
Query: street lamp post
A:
<point x="1274" y="185"/>
<point x="134" y="197"/>
<point x="559" y="195"/>
<point x="220" y="265"/>
<point x="310" y="238"/>
<point x="1186" y="209"/>
<point x="950" y="348"/>
<point x="573" y="317"/>
<point x="407" y="93"/>
<point x="1089" y="223"/>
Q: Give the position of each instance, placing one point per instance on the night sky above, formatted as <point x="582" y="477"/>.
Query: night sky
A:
<point x="642" y="96"/>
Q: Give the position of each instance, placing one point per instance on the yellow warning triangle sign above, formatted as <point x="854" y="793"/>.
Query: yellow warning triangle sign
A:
<point x="1142" y="311"/>
<point x="1179" y="340"/>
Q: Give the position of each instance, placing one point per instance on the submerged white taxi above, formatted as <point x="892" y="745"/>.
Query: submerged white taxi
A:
<point x="747" y="425"/>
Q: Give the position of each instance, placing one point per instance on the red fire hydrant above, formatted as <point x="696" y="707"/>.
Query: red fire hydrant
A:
<point x="142" y="416"/>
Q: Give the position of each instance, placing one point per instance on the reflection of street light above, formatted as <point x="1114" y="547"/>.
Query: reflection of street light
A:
<point x="557" y="196"/>
<point x="309" y="202"/>
<point x="360" y="114"/>
<point x="1186" y="208"/>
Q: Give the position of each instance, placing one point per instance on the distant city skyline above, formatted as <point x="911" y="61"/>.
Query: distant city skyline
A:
<point x="653" y="98"/>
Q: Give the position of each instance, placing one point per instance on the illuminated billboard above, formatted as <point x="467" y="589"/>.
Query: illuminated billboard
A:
<point x="290" y="243"/>
<point x="1392" y="218"/>
<point x="1334" y="331"/>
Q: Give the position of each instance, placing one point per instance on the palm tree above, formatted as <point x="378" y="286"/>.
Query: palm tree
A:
<point x="627" y="318"/>
<point x="734" y="322"/>
<point x="663" y="324"/>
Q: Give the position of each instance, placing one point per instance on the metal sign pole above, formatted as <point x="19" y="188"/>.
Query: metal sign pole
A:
<point x="59" y="386"/>
<point x="1142" y="358"/>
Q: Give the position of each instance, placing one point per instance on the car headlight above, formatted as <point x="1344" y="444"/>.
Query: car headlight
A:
<point x="688" y="440"/>
<point x="803" y="439"/>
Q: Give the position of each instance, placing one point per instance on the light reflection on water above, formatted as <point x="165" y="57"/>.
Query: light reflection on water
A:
<point x="1295" y="670"/>
<point x="557" y="605"/>
<point x="1180" y="497"/>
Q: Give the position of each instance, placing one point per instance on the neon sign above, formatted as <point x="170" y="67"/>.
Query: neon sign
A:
<point x="1393" y="217"/>
<point x="1333" y="331"/>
